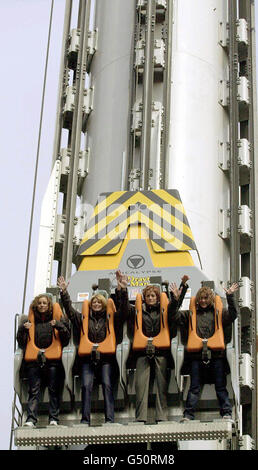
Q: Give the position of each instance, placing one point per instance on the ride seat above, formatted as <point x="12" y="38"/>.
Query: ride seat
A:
<point x="21" y="381"/>
<point x="208" y="394"/>
<point x="97" y="394"/>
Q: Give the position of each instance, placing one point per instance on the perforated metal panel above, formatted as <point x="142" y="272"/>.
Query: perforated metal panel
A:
<point x="122" y="434"/>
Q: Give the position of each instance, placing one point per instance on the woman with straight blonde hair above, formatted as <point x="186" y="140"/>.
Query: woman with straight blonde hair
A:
<point x="102" y="366"/>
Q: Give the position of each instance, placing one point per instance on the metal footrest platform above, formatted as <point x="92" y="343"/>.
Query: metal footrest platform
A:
<point x="122" y="434"/>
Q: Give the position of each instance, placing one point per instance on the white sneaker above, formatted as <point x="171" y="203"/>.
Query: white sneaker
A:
<point x="29" y="424"/>
<point x="227" y="418"/>
<point x="185" y="420"/>
<point x="108" y="423"/>
<point x="53" y="423"/>
<point x="137" y="423"/>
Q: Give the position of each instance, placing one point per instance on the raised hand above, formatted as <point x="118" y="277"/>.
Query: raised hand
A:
<point x="175" y="291"/>
<point x="62" y="284"/>
<point x="122" y="280"/>
<point x="119" y="275"/>
<point x="185" y="278"/>
<point x="233" y="288"/>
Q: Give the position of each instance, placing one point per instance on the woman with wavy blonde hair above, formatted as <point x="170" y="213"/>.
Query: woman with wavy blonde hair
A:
<point x="216" y="364"/>
<point x="35" y="302"/>
<point x="205" y="295"/>
<point x="42" y="370"/>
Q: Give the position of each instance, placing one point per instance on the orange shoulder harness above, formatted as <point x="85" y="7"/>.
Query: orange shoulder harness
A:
<point x="108" y="346"/>
<point x="216" y="341"/>
<point x="54" y="351"/>
<point x="162" y="340"/>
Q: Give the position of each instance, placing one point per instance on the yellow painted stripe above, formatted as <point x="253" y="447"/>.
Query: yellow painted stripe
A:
<point x="157" y="247"/>
<point x="90" y="233"/>
<point x="159" y="260"/>
<point x="169" y="258"/>
<point x="133" y="218"/>
<point x="117" y="212"/>
<point x="115" y="249"/>
<point x="166" y="235"/>
<point x="137" y="197"/>
<point x="163" y="194"/>
<point x="107" y="202"/>
<point x="112" y="234"/>
<point x="171" y="219"/>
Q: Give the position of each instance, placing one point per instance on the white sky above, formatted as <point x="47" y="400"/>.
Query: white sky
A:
<point x="23" y="38"/>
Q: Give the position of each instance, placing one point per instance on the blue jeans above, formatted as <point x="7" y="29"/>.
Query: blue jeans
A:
<point x="217" y="367"/>
<point x="48" y="375"/>
<point x="88" y="373"/>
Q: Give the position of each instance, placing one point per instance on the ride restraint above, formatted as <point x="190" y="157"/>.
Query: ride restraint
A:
<point x="206" y="345"/>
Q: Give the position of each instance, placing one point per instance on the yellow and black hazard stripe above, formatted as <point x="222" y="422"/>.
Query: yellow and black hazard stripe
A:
<point x="160" y="211"/>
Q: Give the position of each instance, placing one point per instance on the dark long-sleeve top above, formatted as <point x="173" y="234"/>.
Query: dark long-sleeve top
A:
<point x="97" y="320"/>
<point x="150" y="314"/>
<point x="205" y="319"/>
<point x="44" y="331"/>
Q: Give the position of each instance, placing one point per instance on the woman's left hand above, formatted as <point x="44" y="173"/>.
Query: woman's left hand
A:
<point x="232" y="288"/>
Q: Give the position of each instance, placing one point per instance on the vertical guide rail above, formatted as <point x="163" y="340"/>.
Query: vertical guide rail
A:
<point x="255" y="198"/>
<point x="167" y="96"/>
<point x="233" y="136"/>
<point x="63" y="80"/>
<point x="147" y="93"/>
<point x="250" y="9"/>
<point x="150" y="96"/>
<point x="234" y="169"/>
<point x="242" y="195"/>
<point x="67" y="252"/>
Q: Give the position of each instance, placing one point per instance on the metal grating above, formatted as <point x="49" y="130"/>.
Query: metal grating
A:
<point x="122" y="434"/>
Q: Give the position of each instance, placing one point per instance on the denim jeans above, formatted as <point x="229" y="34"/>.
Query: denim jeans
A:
<point x="217" y="369"/>
<point x="48" y="375"/>
<point x="88" y="373"/>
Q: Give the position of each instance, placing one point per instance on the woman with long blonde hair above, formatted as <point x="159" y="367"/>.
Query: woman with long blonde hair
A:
<point x="102" y="367"/>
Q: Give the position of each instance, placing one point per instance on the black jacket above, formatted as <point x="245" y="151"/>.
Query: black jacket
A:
<point x="44" y="331"/>
<point x="97" y="321"/>
<point x="150" y="315"/>
<point x="205" y="320"/>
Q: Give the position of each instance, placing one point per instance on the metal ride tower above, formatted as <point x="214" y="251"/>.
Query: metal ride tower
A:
<point x="155" y="134"/>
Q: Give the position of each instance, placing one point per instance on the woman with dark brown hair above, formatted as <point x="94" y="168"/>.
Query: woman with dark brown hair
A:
<point x="39" y="369"/>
